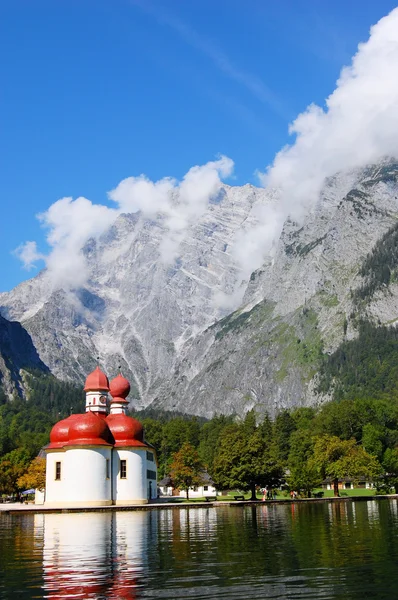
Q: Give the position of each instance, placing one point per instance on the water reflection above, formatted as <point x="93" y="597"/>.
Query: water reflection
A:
<point x="328" y="550"/>
<point x="94" y="555"/>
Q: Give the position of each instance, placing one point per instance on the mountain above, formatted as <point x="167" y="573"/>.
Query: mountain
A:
<point x="169" y="328"/>
<point x="136" y="311"/>
<point x="17" y="353"/>
<point x="299" y="307"/>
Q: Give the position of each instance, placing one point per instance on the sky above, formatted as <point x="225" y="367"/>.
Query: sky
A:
<point x="97" y="94"/>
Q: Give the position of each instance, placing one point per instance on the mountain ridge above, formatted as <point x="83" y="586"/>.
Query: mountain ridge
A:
<point x="162" y="323"/>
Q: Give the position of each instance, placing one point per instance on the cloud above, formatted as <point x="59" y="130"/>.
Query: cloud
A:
<point x="178" y="204"/>
<point x="71" y="223"/>
<point x="358" y="126"/>
<point x="28" y="254"/>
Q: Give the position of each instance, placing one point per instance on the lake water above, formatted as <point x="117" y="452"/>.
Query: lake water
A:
<point x="328" y="550"/>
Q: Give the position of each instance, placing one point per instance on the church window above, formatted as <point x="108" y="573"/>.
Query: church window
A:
<point x="58" y="471"/>
<point x="107" y="468"/>
<point x="149" y="456"/>
<point x="151" y="474"/>
<point x="123" y="469"/>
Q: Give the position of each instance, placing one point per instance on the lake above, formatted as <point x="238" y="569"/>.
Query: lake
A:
<point x="319" y="550"/>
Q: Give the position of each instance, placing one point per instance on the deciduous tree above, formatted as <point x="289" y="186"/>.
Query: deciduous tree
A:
<point x="244" y="462"/>
<point x="336" y="458"/>
<point x="186" y="469"/>
<point x="35" y="476"/>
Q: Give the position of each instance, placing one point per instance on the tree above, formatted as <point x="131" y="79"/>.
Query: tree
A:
<point x="336" y="458"/>
<point x="186" y="469"/>
<point x="35" y="476"/>
<point x="390" y="464"/>
<point x="284" y="426"/>
<point x="372" y="439"/>
<point x="304" y="475"/>
<point x="210" y="436"/>
<point x="12" y="466"/>
<point x="244" y="462"/>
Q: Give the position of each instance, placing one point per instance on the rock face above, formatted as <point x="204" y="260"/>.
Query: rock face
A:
<point x="17" y="353"/>
<point x="167" y="327"/>
<point x="136" y="311"/>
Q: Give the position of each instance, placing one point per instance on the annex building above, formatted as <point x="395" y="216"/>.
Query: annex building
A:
<point x="100" y="457"/>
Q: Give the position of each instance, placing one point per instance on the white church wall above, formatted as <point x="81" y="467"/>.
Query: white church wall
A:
<point x="132" y="488"/>
<point x="86" y="475"/>
<point x="55" y="488"/>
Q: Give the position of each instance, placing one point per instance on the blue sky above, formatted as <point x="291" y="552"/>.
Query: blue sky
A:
<point x="95" y="91"/>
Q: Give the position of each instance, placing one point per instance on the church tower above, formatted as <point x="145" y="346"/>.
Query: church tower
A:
<point x="97" y="388"/>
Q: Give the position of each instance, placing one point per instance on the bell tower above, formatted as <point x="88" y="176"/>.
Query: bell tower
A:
<point x="97" y="388"/>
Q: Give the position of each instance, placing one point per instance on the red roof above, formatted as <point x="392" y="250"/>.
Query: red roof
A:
<point x="96" y="381"/>
<point x="126" y="431"/>
<point x="89" y="429"/>
<point x="119" y="388"/>
<point x="59" y="434"/>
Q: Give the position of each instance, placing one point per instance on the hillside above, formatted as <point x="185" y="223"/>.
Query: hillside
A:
<point x="17" y="354"/>
<point x="181" y="345"/>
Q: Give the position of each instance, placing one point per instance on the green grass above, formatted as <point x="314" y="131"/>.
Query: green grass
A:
<point x="345" y="493"/>
<point x="285" y="495"/>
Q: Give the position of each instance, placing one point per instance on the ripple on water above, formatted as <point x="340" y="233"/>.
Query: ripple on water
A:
<point x="329" y="550"/>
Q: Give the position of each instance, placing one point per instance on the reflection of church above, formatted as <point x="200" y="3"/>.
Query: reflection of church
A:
<point x="96" y="458"/>
<point x="95" y="555"/>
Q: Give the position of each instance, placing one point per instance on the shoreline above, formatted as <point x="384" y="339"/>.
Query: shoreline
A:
<point x="17" y="508"/>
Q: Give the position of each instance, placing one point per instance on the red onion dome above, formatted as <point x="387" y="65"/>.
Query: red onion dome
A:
<point x="126" y="431"/>
<point x="89" y="429"/>
<point x="97" y="380"/>
<point x="59" y="434"/>
<point x="119" y="388"/>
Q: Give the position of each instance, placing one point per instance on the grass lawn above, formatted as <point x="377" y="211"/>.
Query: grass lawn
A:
<point x="353" y="492"/>
<point x="285" y="496"/>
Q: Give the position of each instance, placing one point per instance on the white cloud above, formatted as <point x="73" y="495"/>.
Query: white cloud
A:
<point x="28" y="254"/>
<point x="178" y="204"/>
<point x="358" y="126"/>
<point x="71" y="223"/>
<point x="140" y="193"/>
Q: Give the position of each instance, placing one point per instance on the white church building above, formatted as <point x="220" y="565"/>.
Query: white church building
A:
<point x="100" y="458"/>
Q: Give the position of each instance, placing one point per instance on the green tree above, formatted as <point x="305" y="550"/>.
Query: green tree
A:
<point x="246" y="462"/>
<point x="372" y="439"/>
<point x="210" y="436"/>
<point x="390" y="464"/>
<point x="304" y="476"/>
<point x="336" y="458"/>
<point x="186" y="469"/>
<point x="284" y="426"/>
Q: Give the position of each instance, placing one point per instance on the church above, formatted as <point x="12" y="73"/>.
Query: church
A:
<point x="100" y="457"/>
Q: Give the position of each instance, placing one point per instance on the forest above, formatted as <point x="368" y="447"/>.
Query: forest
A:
<point x="354" y="435"/>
